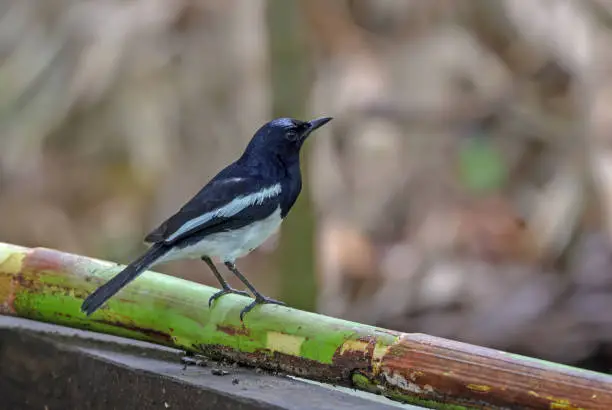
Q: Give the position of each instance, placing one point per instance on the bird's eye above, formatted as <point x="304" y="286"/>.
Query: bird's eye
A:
<point x="292" y="135"/>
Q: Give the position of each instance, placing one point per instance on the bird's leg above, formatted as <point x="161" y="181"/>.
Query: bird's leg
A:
<point x="259" y="298"/>
<point x="226" y="288"/>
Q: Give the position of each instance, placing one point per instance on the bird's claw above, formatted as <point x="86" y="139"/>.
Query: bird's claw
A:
<point x="226" y="291"/>
<point x="260" y="300"/>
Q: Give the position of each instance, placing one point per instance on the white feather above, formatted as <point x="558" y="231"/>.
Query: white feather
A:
<point x="230" y="245"/>
<point x="230" y="209"/>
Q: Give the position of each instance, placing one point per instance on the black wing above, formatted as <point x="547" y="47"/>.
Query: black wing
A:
<point x="221" y="205"/>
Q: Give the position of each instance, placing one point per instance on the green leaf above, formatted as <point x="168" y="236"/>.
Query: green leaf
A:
<point x="481" y="165"/>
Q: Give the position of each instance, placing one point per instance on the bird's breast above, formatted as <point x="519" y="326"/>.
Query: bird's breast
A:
<point x="292" y="186"/>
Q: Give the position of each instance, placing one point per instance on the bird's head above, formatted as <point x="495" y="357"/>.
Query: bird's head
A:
<point x="283" y="137"/>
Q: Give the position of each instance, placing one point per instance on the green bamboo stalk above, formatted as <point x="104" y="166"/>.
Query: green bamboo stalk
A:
<point x="47" y="285"/>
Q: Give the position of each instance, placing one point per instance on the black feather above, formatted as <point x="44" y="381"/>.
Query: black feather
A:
<point x="217" y="193"/>
<point x="131" y="272"/>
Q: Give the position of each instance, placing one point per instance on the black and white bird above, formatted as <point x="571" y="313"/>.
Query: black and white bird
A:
<point x="233" y="214"/>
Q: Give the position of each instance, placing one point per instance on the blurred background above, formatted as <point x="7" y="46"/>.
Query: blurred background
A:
<point x="463" y="190"/>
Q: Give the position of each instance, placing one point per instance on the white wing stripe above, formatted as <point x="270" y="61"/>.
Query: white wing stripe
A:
<point x="230" y="209"/>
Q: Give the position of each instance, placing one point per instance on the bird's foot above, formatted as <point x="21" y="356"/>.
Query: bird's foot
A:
<point x="226" y="291"/>
<point x="260" y="300"/>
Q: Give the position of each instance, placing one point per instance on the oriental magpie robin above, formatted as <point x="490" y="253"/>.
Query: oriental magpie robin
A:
<point x="233" y="214"/>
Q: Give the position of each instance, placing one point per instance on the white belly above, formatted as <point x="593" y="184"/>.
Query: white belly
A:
<point x="229" y="246"/>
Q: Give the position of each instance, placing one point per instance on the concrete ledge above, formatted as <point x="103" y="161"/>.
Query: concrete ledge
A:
<point x="44" y="366"/>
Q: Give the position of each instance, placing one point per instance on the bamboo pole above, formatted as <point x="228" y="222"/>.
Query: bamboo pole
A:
<point x="47" y="285"/>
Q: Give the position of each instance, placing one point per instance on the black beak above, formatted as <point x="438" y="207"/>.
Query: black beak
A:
<point x="316" y="123"/>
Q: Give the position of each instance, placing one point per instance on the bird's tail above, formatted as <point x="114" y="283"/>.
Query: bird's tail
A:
<point x="131" y="272"/>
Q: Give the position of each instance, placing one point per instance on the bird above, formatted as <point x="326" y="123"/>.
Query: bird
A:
<point x="233" y="214"/>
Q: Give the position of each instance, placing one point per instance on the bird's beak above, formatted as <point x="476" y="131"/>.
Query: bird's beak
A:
<point x="316" y="123"/>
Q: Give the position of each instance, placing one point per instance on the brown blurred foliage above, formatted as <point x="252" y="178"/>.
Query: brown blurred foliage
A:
<point x="465" y="185"/>
<point x="463" y="189"/>
<point x="114" y="113"/>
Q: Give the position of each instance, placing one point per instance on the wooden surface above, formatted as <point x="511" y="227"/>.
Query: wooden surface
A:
<point x="45" y="366"/>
